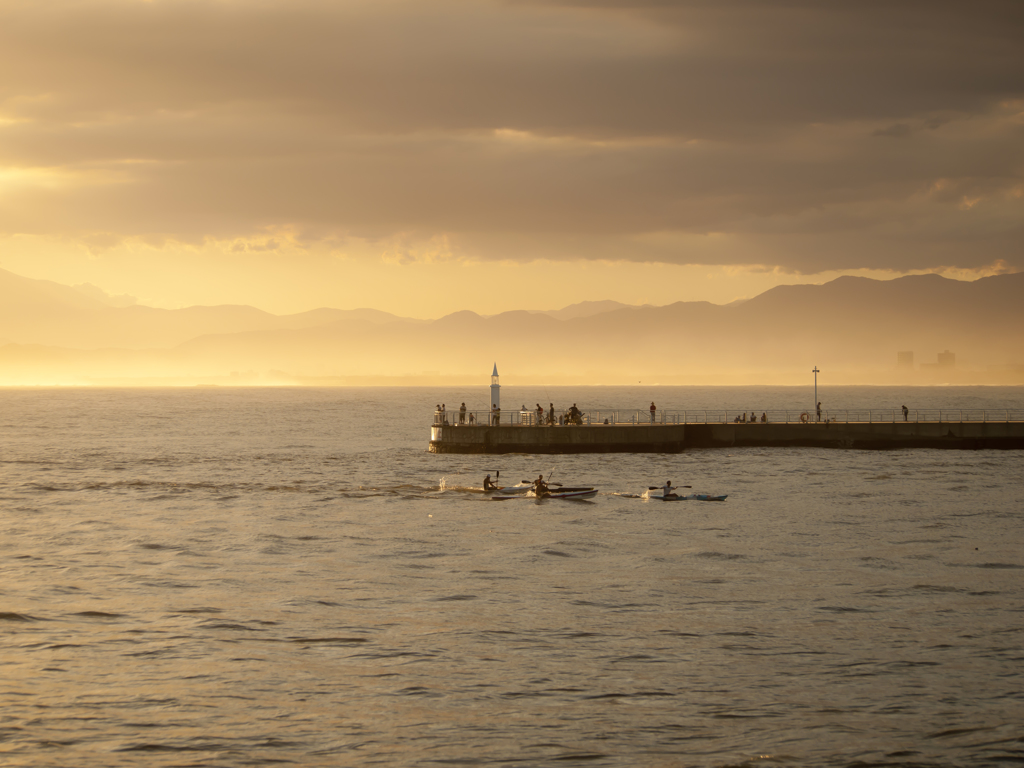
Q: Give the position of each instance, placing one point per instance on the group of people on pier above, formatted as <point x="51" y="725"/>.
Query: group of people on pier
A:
<point x="574" y="416"/>
<point x="441" y="415"/>
<point x="538" y="417"/>
<point x="742" y="418"/>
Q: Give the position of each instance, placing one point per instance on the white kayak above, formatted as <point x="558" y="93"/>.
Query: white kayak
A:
<point x="689" y="497"/>
<point x="564" y="493"/>
<point x="510" y="489"/>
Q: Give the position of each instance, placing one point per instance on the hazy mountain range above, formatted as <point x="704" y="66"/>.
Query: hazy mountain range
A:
<point x="852" y="327"/>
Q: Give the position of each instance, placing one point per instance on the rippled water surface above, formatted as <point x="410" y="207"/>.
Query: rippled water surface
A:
<point x="242" y="577"/>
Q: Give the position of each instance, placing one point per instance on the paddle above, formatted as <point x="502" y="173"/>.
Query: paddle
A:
<point x="659" y="487"/>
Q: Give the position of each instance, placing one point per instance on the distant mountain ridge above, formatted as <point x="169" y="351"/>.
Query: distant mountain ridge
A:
<point x="587" y="309"/>
<point x="47" y="313"/>
<point x="851" y="325"/>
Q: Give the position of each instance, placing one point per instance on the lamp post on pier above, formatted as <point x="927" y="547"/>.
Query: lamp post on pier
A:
<point x="815" y="372"/>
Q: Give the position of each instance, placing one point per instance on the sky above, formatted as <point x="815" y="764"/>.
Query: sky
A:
<point x="424" y="158"/>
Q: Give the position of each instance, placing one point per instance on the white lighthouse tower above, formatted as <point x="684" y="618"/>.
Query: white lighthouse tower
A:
<point x="495" y="389"/>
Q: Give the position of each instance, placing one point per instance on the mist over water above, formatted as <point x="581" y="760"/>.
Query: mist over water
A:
<point x="255" y="576"/>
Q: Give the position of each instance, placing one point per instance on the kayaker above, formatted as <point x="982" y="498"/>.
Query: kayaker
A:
<point x="488" y="485"/>
<point x="539" y="486"/>
<point x="668" y="489"/>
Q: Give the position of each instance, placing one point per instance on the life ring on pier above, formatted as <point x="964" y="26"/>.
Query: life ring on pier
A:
<point x="804" y="417"/>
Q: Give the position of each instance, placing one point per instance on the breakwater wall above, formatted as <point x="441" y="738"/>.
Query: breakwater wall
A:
<point x="674" y="438"/>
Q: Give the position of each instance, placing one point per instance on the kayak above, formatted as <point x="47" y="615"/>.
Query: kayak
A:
<point x="564" y="493"/>
<point x="690" y="497"/>
<point x="510" y="489"/>
<point x="572" y="493"/>
<point x="527" y="487"/>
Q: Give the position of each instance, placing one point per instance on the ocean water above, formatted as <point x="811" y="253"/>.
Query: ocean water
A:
<point x="238" y="577"/>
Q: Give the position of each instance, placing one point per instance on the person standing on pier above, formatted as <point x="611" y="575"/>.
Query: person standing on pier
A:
<point x="540" y="414"/>
<point x="906" y="412"/>
<point x="462" y="414"/>
<point x="551" y="414"/>
<point x="497" y="414"/>
<point x="818" y="412"/>
<point x="574" y="415"/>
<point x="653" y="411"/>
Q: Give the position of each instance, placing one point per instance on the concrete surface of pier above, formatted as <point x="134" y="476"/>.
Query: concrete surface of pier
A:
<point x="673" y="438"/>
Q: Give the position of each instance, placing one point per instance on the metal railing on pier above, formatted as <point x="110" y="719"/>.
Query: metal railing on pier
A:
<point x="528" y="418"/>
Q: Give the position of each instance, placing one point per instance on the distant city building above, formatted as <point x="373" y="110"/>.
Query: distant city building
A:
<point x="946" y="361"/>
<point x="904" y="359"/>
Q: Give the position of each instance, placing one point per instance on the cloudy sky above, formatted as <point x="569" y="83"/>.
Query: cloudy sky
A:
<point x="424" y="157"/>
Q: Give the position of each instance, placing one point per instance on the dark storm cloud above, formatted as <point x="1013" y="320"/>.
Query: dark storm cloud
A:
<point x="821" y="135"/>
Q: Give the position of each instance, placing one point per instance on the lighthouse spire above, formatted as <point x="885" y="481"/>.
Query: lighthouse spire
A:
<point x="495" y="388"/>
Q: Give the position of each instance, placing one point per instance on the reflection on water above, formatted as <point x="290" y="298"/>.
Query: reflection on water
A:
<point x="241" y="577"/>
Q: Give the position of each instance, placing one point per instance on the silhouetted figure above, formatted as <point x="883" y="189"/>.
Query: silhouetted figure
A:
<point x="462" y="414"/>
<point x="488" y="485"/>
<point x="906" y="412"/>
<point x="540" y="488"/>
<point x="764" y="418"/>
<point x="574" y="415"/>
<point x="818" y="412"/>
<point x="551" y="414"/>
<point x="653" y="412"/>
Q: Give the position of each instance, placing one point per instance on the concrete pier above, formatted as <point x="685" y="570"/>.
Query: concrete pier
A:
<point x="673" y="438"/>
